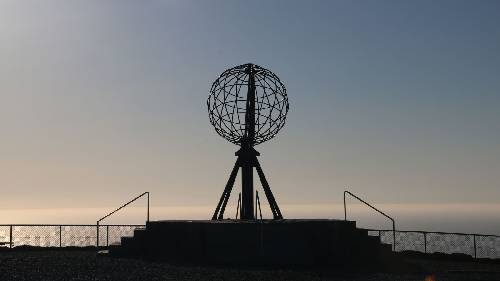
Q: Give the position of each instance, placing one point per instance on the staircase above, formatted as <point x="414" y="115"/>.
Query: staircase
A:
<point x="267" y="242"/>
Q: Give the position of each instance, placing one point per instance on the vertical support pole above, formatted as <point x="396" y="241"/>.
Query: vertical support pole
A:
<point x="475" y="249"/>
<point x="247" y="150"/>
<point x="425" y="242"/>
<point x="247" y="191"/>
<point x="238" y="207"/>
<point x="97" y="236"/>
<point x="60" y="236"/>
<point x="10" y="235"/>
<point x="345" y="213"/>
<point x="107" y="235"/>
<point x="255" y="207"/>
<point x="148" y="209"/>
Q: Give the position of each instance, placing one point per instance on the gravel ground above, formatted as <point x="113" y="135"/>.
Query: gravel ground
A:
<point x="87" y="265"/>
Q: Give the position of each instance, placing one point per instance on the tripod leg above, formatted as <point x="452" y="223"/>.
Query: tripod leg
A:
<point x="270" y="198"/>
<point x="219" y="211"/>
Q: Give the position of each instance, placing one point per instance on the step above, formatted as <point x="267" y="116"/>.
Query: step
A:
<point x="373" y="239"/>
<point x="127" y="241"/>
<point x="292" y="242"/>
<point x="386" y="247"/>
<point x="362" y="232"/>
<point x="140" y="234"/>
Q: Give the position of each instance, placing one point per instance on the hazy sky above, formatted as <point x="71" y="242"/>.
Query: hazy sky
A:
<point x="100" y="100"/>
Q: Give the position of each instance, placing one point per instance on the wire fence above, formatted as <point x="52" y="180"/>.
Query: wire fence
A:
<point x="475" y="245"/>
<point x="63" y="235"/>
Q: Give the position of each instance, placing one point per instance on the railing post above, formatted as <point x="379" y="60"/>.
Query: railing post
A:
<point x="425" y="242"/>
<point x="256" y="198"/>
<point x="107" y="235"/>
<point x="475" y="252"/>
<point x="10" y="235"/>
<point x="97" y="236"/>
<point x="148" y="209"/>
<point x="394" y="235"/>
<point x="60" y="236"/>
<point x="345" y="209"/>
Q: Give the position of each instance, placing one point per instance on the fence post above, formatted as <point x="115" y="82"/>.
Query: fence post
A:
<point x="394" y="235"/>
<point x="345" y="211"/>
<point x="148" y="209"/>
<point x="425" y="242"/>
<point x="475" y="252"/>
<point x="10" y="235"/>
<point x="60" y="236"/>
<point x="97" y="236"/>
<point x="107" y="235"/>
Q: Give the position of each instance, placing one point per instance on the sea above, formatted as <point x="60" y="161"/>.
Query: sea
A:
<point x="461" y="218"/>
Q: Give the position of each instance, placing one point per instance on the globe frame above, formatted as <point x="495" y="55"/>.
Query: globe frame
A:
<point x="227" y="104"/>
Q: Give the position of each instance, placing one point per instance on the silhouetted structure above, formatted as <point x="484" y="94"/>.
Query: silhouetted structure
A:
<point x="247" y="106"/>
<point x="253" y="242"/>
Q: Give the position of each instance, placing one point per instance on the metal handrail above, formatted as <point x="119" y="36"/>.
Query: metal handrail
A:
<point x="121" y="207"/>
<point x="380" y="212"/>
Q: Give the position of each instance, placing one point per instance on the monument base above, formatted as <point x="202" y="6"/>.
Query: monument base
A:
<point x="267" y="242"/>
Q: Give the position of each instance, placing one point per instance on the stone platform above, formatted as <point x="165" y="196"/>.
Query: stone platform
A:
<point x="267" y="242"/>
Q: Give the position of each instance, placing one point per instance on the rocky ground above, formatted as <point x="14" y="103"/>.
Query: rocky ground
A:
<point x="87" y="265"/>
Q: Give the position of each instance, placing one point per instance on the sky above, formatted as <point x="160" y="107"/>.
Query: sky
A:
<point x="397" y="101"/>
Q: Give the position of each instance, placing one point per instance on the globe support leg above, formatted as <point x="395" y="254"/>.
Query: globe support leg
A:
<point x="247" y="160"/>
<point x="269" y="194"/>
<point x="221" y="207"/>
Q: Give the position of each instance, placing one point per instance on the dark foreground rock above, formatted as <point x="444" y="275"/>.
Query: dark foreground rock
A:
<point x="87" y="265"/>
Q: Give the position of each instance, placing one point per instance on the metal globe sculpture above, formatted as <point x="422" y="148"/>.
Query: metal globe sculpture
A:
<point x="247" y="106"/>
<point x="230" y="106"/>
